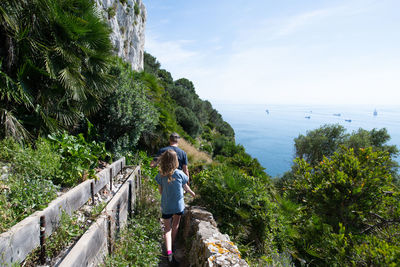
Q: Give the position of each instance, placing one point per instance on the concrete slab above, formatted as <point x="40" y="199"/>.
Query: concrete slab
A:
<point x="92" y="247"/>
<point x="22" y="238"/>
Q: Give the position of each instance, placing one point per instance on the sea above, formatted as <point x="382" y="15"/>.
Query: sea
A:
<point x="267" y="131"/>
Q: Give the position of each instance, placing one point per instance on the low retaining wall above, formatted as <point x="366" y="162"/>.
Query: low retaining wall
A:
<point x="99" y="238"/>
<point x="22" y="238"/>
<point x="209" y="248"/>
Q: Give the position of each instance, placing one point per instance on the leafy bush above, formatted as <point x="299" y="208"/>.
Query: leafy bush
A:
<point x="188" y="120"/>
<point x="79" y="158"/>
<point x="28" y="187"/>
<point x="327" y="139"/>
<point x="136" y="9"/>
<point x="127" y="112"/>
<point x="347" y="201"/>
<point x="243" y="207"/>
<point x="111" y="11"/>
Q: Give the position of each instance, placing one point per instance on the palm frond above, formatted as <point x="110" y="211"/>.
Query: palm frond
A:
<point x="12" y="127"/>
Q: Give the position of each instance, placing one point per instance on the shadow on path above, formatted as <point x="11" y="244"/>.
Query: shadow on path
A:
<point x="178" y="250"/>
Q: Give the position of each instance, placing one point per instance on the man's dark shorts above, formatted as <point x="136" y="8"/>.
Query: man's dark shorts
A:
<point x="169" y="216"/>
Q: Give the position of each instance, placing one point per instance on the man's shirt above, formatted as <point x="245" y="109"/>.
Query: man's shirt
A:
<point x="182" y="157"/>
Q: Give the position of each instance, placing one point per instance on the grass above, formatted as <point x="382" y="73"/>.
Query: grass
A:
<point x="194" y="156"/>
<point x="140" y="241"/>
<point x="69" y="230"/>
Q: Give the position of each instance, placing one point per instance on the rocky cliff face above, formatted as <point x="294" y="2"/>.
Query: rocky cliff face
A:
<point x="127" y="19"/>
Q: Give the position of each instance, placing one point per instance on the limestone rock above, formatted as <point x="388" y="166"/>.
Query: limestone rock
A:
<point x="127" y="19"/>
<point x="209" y="246"/>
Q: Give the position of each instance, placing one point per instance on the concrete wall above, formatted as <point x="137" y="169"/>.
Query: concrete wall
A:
<point x="94" y="244"/>
<point x="23" y="237"/>
<point x="209" y="247"/>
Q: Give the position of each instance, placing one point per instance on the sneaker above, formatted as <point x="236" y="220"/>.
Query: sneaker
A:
<point x="172" y="261"/>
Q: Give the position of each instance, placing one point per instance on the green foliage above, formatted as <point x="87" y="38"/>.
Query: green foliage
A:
<point x="246" y="163"/>
<point x="136" y="9"/>
<point x="177" y="102"/>
<point x="151" y="65"/>
<point x="188" y="120"/>
<point x="112" y="11"/>
<point x="320" y="142"/>
<point x="79" y="158"/>
<point x="243" y="207"/>
<point x="126" y="113"/>
<point x="54" y="68"/>
<point x="377" y="251"/>
<point x="327" y="139"/>
<point x="140" y="242"/>
<point x="346" y="188"/>
<point x="141" y="158"/>
<point x="346" y="201"/>
<point x="153" y="139"/>
<point x="68" y="230"/>
<point x="28" y="187"/>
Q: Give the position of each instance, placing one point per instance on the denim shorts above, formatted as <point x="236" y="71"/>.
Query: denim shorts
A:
<point x="169" y="216"/>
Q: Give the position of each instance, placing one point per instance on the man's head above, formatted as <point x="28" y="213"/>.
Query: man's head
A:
<point x="173" y="138"/>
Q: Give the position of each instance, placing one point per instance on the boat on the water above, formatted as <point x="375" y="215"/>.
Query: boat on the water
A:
<point x="307" y="117"/>
<point x="348" y="120"/>
<point x="375" y="113"/>
<point x="337" y="114"/>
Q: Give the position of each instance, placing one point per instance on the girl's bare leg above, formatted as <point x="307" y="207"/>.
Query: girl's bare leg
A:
<point x="167" y="234"/>
<point x="175" y="225"/>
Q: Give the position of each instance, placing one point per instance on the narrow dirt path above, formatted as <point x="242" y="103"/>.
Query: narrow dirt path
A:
<point x="178" y="250"/>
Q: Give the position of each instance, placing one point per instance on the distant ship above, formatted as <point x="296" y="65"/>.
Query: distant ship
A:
<point x="267" y="111"/>
<point x="307" y="117"/>
<point x="348" y="120"/>
<point x="337" y="114"/>
<point x="375" y="113"/>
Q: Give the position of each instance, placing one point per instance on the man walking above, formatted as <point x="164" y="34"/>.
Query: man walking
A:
<point x="173" y="145"/>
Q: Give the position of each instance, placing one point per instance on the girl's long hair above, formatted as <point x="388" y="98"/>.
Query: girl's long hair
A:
<point x="168" y="162"/>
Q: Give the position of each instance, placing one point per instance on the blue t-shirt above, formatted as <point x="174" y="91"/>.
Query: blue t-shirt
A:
<point x="172" y="193"/>
<point x="182" y="157"/>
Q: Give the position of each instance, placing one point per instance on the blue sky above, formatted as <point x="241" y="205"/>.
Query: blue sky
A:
<point x="280" y="52"/>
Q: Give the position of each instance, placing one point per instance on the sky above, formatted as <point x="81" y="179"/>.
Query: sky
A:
<point x="280" y="52"/>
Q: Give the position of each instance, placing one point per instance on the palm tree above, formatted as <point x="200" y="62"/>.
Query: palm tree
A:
<point x="54" y="61"/>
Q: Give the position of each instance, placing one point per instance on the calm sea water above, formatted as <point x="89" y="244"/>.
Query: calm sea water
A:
<point x="269" y="136"/>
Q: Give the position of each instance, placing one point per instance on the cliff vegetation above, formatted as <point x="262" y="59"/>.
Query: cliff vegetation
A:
<point x="68" y="104"/>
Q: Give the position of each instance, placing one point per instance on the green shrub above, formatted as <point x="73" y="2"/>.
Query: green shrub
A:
<point x="127" y="112"/>
<point x="349" y="210"/>
<point x="28" y="187"/>
<point x="111" y="11"/>
<point x="188" y="120"/>
<point x="79" y="158"/>
<point x="243" y="207"/>
<point x="136" y="9"/>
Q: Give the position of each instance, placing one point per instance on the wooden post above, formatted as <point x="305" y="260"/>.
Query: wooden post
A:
<point x="109" y="235"/>
<point x="130" y="199"/>
<point x="117" y="221"/>
<point x="140" y="183"/>
<point x="111" y="177"/>
<point x="42" y="239"/>
<point x="92" y="192"/>
<point x="121" y="166"/>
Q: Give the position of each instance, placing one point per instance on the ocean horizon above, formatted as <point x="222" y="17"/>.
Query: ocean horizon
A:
<point x="267" y="132"/>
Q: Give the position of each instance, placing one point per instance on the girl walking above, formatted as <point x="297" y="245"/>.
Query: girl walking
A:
<point x="171" y="182"/>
